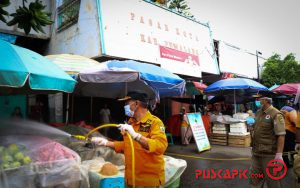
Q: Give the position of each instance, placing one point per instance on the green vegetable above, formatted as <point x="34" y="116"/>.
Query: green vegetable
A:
<point x="13" y="148"/>
<point x="26" y="160"/>
<point x="19" y="156"/>
<point x="5" y="166"/>
<point x="15" y="164"/>
<point x="7" y="158"/>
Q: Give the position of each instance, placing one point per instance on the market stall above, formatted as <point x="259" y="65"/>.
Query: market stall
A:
<point x="113" y="79"/>
<point x="232" y="130"/>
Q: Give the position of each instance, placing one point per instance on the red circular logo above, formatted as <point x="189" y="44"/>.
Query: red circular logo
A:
<point x="276" y="165"/>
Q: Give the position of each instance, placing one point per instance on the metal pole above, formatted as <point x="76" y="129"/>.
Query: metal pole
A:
<point x="68" y="106"/>
<point x="72" y="111"/>
<point x="234" y="101"/>
<point x="257" y="64"/>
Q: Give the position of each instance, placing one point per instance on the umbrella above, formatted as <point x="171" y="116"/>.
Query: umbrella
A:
<point x="115" y="78"/>
<point x="273" y="87"/>
<point x="297" y="100"/>
<point x="195" y="88"/>
<point x="288" y="89"/>
<point x="72" y="64"/>
<point x="235" y="87"/>
<point x="24" y="71"/>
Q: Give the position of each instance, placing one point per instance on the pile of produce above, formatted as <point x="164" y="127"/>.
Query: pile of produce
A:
<point x="13" y="157"/>
<point x="36" y="161"/>
<point x="54" y="151"/>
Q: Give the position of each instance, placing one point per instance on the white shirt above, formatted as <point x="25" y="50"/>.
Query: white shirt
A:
<point x="104" y="115"/>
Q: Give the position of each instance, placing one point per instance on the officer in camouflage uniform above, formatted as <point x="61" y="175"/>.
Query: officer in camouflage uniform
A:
<point x="267" y="142"/>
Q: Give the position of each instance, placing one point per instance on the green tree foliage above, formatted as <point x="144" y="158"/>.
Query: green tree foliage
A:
<point x="280" y="71"/>
<point x="180" y="6"/>
<point x="31" y="17"/>
<point x="3" y="13"/>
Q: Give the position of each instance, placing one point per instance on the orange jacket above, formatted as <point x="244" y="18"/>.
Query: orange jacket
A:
<point x="149" y="164"/>
<point x="290" y="119"/>
<point x="298" y="120"/>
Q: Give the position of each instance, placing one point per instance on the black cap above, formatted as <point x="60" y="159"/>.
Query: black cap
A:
<point x="133" y="95"/>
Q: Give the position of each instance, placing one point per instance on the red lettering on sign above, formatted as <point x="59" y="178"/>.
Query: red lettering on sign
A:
<point x="142" y="38"/>
<point x="132" y="16"/>
<point x="166" y="27"/>
<point x="142" y="19"/>
<point x="158" y="25"/>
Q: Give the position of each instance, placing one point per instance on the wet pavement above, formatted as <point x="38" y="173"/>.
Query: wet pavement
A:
<point x="188" y="178"/>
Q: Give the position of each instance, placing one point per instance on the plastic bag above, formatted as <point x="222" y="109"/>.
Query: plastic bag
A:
<point x="52" y="164"/>
<point x="173" y="169"/>
<point x="106" y="153"/>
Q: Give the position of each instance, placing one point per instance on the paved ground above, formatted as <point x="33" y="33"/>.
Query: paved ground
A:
<point x="188" y="179"/>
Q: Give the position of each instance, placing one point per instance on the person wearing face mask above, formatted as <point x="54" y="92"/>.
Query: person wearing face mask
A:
<point x="267" y="141"/>
<point x="150" y="143"/>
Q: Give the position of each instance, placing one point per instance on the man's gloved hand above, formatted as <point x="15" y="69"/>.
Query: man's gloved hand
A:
<point x="130" y="130"/>
<point x="99" y="141"/>
<point x="297" y="147"/>
<point x="279" y="156"/>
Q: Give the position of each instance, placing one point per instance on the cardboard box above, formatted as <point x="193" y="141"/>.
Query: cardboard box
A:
<point x="239" y="141"/>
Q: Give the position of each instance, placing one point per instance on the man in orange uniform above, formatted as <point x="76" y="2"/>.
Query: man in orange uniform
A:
<point x="150" y="143"/>
<point x="290" y="118"/>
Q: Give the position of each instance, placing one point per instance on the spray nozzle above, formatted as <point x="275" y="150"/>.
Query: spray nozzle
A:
<point x="80" y="137"/>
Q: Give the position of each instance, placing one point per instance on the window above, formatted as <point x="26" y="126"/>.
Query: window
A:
<point x="68" y="13"/>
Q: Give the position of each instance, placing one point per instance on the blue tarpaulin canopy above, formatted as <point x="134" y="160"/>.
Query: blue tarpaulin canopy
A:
<point x="166" y="83"/>
<point x="115" y="78"/>
<point x="235" y="88"/>
<point x="235" y="84"/>
<point x="22" y="71"/>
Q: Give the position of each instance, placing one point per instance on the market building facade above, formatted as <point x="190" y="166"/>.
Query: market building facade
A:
<point x="138" y="30"/>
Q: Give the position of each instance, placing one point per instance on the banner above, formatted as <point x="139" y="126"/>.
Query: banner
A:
<point x="145" y="32"/>
<point x="199" y="132"/>
<point x="188" y="59"/>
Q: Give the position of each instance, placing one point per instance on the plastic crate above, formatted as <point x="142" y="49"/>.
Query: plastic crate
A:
<point x="117" y="182"/>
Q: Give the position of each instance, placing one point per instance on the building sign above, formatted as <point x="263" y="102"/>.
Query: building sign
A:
<point x="176" y="55"/>
<point x="237" y="61"/>
<point x="199" y="132"/>
<point x="138" y="30"/>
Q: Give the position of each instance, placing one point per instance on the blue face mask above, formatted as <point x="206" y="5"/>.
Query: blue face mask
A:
<point x="128" y="111"/>
<point x="258" y="104"/>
